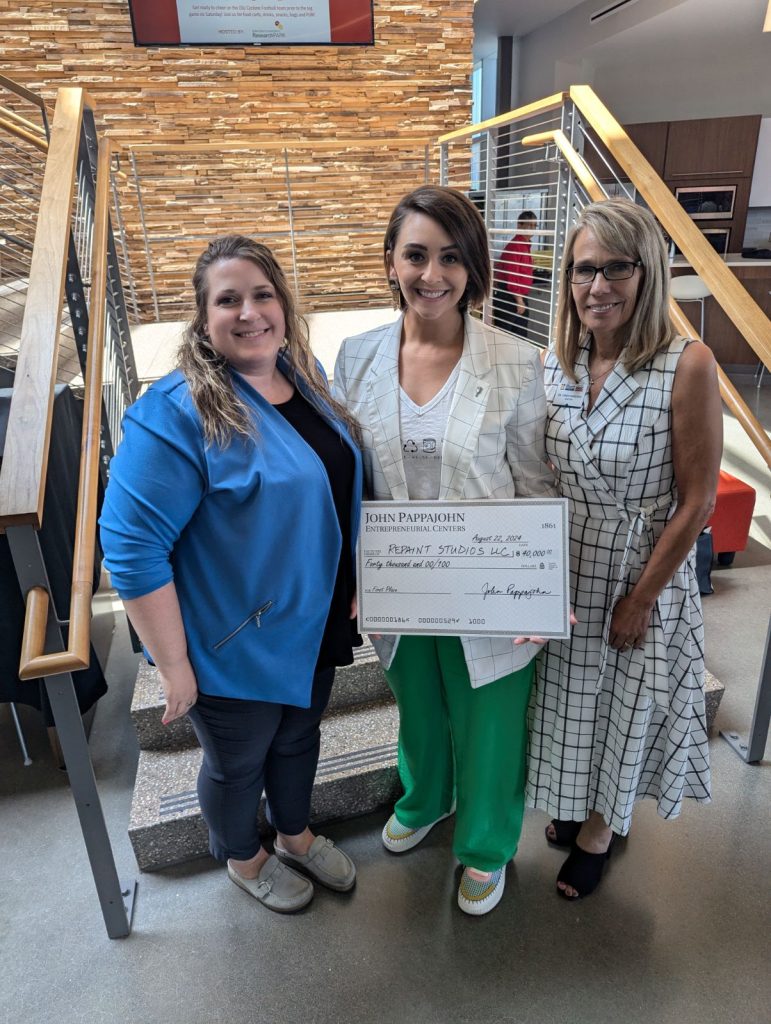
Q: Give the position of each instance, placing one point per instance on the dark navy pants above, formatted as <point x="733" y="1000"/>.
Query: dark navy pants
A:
<point x="251" y="746"/>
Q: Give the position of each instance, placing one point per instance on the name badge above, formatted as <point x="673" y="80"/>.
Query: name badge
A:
<point x="570" y="394"/>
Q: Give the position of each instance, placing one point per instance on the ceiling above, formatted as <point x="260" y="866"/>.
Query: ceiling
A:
<point x="493" y="18"/>
<point x="720" y="24"/>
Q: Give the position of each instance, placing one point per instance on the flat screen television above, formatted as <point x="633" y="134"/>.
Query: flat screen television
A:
<point x="252" y="23"/>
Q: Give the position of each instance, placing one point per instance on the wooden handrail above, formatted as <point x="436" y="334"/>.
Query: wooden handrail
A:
<point x="549" y="103"/>
<point x="38" y="141"/>
<point x="33" y="662"/>
<point x="36" y="129"/>
<point x="748" y="421"/>
<point x="20" y="90"/>
<point x="577" y="163"/>
<point x="25" y="459"/>
<point x="253" y="145"/>
<point x="738" y="305"/>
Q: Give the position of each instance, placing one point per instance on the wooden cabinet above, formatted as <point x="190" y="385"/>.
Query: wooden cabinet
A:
<point x="728" y="345"/>
<point x="760" y="192"/>
<point x="713" y="151"/>
<point x="692" y="151"/>
<point x="651" y="139"/>
<point x="712" y="147"/>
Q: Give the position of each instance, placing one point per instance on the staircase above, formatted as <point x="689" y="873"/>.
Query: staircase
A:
<point x="356" y="773"/>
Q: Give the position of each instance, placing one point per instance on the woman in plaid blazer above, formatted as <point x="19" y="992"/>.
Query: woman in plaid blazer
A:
<point x="450" y="409"/>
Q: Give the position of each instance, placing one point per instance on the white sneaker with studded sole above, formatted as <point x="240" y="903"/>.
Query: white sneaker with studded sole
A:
<point x="476" y="897"/>
<point x="399" y="838"/>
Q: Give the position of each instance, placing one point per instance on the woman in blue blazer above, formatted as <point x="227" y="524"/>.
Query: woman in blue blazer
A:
<point x="451" y="409"/>
<point x="229" y="526"/>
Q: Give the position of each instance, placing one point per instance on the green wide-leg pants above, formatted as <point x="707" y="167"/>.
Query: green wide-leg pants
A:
<point x="461" y="742"/>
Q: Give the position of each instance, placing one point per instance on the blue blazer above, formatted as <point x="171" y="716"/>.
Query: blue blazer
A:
<point x="249" y="535"/>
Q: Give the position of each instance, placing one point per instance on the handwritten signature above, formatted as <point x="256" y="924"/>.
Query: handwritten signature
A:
<point x="513" y="591"/>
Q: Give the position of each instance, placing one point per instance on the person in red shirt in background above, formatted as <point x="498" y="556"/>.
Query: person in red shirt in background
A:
<point x="514" y="278"/>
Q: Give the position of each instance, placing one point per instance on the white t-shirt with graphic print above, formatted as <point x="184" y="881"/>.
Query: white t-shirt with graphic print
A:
<point x="422" y="430"/>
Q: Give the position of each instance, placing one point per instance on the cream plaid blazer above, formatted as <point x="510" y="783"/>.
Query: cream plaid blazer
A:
<point x="493" y="446"/>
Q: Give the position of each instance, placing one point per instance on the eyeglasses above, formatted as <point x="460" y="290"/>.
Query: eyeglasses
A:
<point x="619" y="270"/>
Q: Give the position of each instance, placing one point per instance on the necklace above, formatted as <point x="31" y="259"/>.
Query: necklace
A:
<point x="595" y="378"/>
<point x="600" y="376"/>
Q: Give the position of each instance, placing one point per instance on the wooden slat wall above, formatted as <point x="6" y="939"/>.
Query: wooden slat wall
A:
<point x="340" y="203"/>
<point x="414" y="81"/>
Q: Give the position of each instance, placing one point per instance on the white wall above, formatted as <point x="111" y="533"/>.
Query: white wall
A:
<point x="760" y="193"/>
<point x="489" y="82"/>
<point x="658" y="60"/>
<point x="677" y="90"/>
<point x="554" y="54"/>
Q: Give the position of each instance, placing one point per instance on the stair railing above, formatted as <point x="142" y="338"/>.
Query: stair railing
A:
<point x="15" y="123"/>
<point x="74" y="262"/>
<point x="515" y="150"/>
<point x="487" y="160"/>
<point x="23" y="146"/>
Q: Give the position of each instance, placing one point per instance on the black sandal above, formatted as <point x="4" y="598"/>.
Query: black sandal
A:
<point x="565" y="832"/>
<point x="582" y="871"/>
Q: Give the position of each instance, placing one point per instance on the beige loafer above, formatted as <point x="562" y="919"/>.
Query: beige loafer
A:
<point x="324" y="862"/>
<point x="277" y="887"/>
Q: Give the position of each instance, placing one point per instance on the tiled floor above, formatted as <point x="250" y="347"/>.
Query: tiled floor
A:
<point x="677" y="934"/>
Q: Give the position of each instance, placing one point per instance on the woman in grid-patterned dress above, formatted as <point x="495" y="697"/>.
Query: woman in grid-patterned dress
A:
<point x="634" y="433"/>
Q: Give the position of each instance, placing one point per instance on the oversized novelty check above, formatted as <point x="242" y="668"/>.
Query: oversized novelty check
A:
<point x="465" y="567"/>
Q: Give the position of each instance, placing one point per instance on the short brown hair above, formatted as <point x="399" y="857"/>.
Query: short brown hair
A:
<point x="459" y="218"/>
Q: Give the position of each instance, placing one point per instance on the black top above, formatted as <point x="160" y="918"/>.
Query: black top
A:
<point x="340" y="632"/>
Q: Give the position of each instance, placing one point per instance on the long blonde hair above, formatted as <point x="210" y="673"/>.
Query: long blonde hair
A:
<point x="622" y="227"/>
<point x="223" y="413"/>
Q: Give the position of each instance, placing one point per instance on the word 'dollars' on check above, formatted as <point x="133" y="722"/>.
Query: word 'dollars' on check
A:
<point x="464" y="567"/>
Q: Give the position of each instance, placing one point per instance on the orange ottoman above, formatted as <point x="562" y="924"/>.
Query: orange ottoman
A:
<point x="731" y="519"/>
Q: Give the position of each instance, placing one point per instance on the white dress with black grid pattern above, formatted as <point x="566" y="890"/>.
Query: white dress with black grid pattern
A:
<point x="611" y="727"/>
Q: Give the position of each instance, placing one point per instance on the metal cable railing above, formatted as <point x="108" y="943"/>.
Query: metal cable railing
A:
<point x="516" y="189"/>
<point x="23" y="153"/>
<point x="72" y="266"/>
<point x="320" y="207"/>
<point x="23" y="148"/>
<point x="542" y="157"/>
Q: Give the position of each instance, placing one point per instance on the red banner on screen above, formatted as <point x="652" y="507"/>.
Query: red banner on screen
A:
<point x="252" y="23"/>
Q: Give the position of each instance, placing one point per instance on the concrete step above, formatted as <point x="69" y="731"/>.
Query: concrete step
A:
<point x="360" y="683"/>
<point x="356" y="774"/>
<point x="713" y="694"/>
